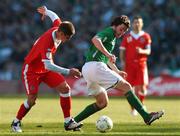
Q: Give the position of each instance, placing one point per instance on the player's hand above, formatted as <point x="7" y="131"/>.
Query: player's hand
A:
<point x="123" y="74"/>
<point x="42" y="10"/>
<point x="139" y="50"/>
<point x="112" y="58"/>
<point x="75" y="72"/>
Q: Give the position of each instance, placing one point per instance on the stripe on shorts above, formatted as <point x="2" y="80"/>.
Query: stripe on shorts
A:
<point x="25" y="78"/>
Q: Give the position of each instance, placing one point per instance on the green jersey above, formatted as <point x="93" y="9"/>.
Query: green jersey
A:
<point x="108" y="39"/>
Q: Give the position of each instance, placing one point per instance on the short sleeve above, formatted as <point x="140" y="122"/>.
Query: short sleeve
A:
<point x="105" y="35"/>
<point x="149" y="41"/>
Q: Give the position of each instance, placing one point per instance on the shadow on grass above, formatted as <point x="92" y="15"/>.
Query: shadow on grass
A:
<point x="89" y="129"/>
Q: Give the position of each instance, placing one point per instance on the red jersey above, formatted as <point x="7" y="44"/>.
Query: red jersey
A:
<point x="44" y="48"/>
<point x="131" y="41"/>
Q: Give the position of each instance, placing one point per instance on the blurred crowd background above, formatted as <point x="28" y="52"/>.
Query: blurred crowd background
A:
<point x="21" y="25"/>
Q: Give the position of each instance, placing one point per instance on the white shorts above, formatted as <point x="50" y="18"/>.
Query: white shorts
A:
<point x="99" y="77"/>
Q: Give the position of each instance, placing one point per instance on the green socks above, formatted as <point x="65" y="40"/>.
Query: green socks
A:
<point x="132" y="99"/>
<point x="135" y="102"/>
<point x="88" y="111"/>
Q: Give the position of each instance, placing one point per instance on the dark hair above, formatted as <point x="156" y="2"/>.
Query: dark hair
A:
<point x="123" y="19"/>
<point x="137" y="17"/>
<point x="67" y="28"/>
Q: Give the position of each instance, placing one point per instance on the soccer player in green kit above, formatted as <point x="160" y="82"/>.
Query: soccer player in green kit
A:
<point x="100" y="77"/>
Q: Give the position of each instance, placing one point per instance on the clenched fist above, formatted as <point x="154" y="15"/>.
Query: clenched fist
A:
<point x="75" y="72"/>
<point x="123" y="74"/>
<point x="112" y="58"/>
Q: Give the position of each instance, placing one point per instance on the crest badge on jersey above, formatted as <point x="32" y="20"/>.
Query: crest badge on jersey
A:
<point x="32" y="87"/>
<point x="129" y="39"/>
<point x="142" y="40"/>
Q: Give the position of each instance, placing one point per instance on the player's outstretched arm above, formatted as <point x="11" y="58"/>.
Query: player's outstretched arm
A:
<point x="49" y="65"/>
<point x="45" y="12"/>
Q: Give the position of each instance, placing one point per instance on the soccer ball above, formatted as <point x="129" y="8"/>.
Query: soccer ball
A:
<point x="104" y="124"/>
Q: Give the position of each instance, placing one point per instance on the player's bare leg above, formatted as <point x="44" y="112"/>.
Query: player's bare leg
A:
<point x="23" y="110"/>
<point x="101" y="102"/>
<point x="65" y="102"/>
<point x="133" y="110"/>
<point x="141" y="92"/>
<point x="135" y="102"/>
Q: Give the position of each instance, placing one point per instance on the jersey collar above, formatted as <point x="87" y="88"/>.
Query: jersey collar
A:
<point x="136" y="36"/>
<point x="56" y="41"/>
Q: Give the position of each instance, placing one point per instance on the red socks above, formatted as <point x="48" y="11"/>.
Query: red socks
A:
<point x="65" y="102"/>
<point x="141" y="96"/>
<point x="23" y="110"/>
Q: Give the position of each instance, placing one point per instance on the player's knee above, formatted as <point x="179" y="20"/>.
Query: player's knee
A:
<point x="65" y="88"/>
<point x="31" y="102"/>
<point x="128" y="87"/>
<point x="143" y="92"/>
<point x="124" y="87"/>
<point x="102" y="104"/>
<point x="105" y="104"/>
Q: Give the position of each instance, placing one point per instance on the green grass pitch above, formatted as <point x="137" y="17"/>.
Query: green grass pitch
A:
<point x="46" y="119"/>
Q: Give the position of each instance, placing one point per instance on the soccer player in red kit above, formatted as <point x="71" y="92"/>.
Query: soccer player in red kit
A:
<point x="134" y="49"/>
<point x="39" y="67"/>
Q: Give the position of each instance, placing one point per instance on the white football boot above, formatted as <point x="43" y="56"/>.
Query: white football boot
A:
<point x="16" y="126"/>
